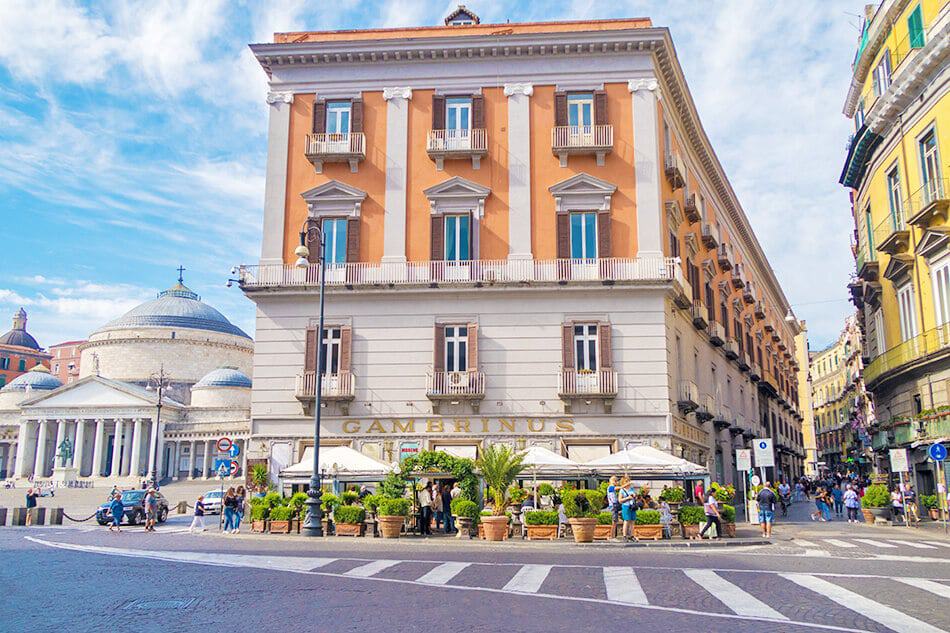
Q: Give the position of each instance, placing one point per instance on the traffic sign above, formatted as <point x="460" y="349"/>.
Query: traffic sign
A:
<point x="222" y="466"/>
<point x="937" y="452"/>
<point x="743" y="459"/>
<point x="762" y="448"/>
<point x="235" y="451"/>
<point x="224" y="444"/>
<point x="235" y="467"/>
<point x="899" y="460"/>
<point x="755" y="480"/>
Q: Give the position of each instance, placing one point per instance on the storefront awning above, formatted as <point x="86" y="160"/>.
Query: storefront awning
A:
<point x="643" y="462"/>
<point x="337" y="462"/>
<point x="544" y="463"/>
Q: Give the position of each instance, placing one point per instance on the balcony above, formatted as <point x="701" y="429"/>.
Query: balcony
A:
<point x="339" y="387"/>
<point x="738" y="278"/>
<point x="731" y="349"/>
<point x="768" y="327"/>
<point x="755" y="374"/>
<point x="717" y="334"/>
<point x="724" y="256"/>
<point x="707" y="409"/>
<point x="690" y="210"/>
<point x="336" y="148"/>
<point x="699" y="314"/>
<point x="931" y="345"/>
<point x="929" y="205"/>
<point x="596" y="140"/>
<point x="675" y="171"/>
<point x="723" y="418"/>
<point x="688" y="398"/>
<point x="682" y="291"/>
<point x="588" y="385"/>
<point x="455" y="386"/>
<point x="892" y="236"/>
<point x="710" y="235"/>
<point x="442" y="145"/>
<point x="748" y="293"/>
<point x="742" y="362"/>
<point x="759" y="311"/>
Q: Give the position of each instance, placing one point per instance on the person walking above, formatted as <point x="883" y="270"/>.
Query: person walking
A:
<point x="766" y="501"/>
<point x="447" y="517"/>
<point x="239" y="501"/>
<point x="31" y="496"/>
<point x="198" y="523"/>
<point x="229" y="504"/>
<point x="117" y="509"/>
<point x="837" y="496"/>
<point x="851" y="503"/>
<point x="437" y="506"/>
<point x="425" y="509"/>
<point x="711" y="508"/>
<point x="612" y="503"/>
<point x="150" y="503"/>
<point x="897" y="506"/>
<point x="628" y="507"/>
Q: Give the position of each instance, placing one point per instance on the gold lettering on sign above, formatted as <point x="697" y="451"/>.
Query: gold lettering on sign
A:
<point x="376" y="427"/>
<point x="462" y="425"/>
<point x="409" y="426"/>
<point x="351" y="426"/>
<point x="535" y="426"/>
<point x="434" y="426"/>
<point x="564" y="426"/>
<point x="485" y="422"/>
<point x="506" y="425"/>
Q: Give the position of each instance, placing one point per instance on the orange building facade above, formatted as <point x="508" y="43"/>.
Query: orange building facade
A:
<point x="65" y="360"/>
<point x="19" y="351"/>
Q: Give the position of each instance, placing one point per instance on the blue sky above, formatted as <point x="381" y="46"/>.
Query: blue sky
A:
<point x="132" y="139"/>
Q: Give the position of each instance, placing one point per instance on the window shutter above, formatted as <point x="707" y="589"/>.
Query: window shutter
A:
<point x="437" y="239"/>
<point x="600" y="107"/>
<point x="563" y="236"/>
<point x="478" y="112"/>
<point x="567" y="346"/>
<point x="314" y="247"/>
<point x="473" y="346"/>
<point x="603" y="234"/>
<point x="438" y="360"/>
<point x="346" y="347"/>
<point x="353" y="240"/>
<point x="603" y="334"/>
<point x="560" y="108"/>
<point x="310" y="350"/>
<point x="356" y="115"/>
<point x="915" y="24"/>
<point x="319" y="116"/>
<point x="438" y="112"/>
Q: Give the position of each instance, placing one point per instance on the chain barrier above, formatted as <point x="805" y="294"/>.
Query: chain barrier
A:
<point x="91" y="516"/>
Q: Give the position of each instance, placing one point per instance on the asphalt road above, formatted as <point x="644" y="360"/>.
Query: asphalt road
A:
<point x="815" y="577"/>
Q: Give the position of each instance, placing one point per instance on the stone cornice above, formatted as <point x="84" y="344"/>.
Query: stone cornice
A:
<point x="178" y="341"/>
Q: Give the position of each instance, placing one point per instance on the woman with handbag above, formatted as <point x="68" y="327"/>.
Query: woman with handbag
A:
<point x="628" y="506"/>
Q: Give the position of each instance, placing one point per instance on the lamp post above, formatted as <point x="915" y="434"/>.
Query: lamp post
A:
<point x="157" y="382"/>
<point x="310" y="233"/>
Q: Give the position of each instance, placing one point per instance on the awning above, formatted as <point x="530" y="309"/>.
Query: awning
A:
<point x="545" y="463"/>
<point x="337" y="462"/>
<point x="645" y="461"/>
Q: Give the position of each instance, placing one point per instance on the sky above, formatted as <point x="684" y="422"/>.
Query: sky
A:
<point x="133" y="139"/>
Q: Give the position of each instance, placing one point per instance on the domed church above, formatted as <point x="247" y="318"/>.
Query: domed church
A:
<point x="114" y="424"/>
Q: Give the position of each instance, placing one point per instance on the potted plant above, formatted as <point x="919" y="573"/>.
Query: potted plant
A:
<point x="349" y="497"/>
<point x="259" y="512"/>
<point x="874" y="503"/>
<point x="728" y="513"/>
<point x="673" y="496"/>
<point x="260" y="477"/>
<point x="392" y="515"/>
<point x="541" y="525"/>
<point x="480" y="530"/>
<point x="349" y="520"/>
<point x="723" y="494"/>
<point x="545" y="491"/>
<point x="465" y="512"/>
<point x="690" y="516"/>
<point x="280" y="519"/>
<point x="605" y="528"/>
<point x="930" y="502"/>
<point x="516" y="497"/>
<point x="328" y="503"/>
<point x="370" y="502"/>
<point x="500" y="465"/>
<point x="647" y="525"/>
<point x="581" y="508"/>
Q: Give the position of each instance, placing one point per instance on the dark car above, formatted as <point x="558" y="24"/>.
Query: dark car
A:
<point x="133" y="501"/>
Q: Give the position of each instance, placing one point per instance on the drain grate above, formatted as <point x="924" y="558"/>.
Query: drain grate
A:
<point x="163" y="604"/>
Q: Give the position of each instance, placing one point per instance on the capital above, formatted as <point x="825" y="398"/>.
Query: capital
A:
<point x="519" y="89"/>
<point x="635" y="85"/>
<point x="280" y="97"/>
<point x="397" y="92"/>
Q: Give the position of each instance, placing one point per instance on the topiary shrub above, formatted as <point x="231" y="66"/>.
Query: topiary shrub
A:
<point x="273" y="499"/>
<point x="581" y="504"/>
<point x="349" y="514"/>
<point x="875" y="496"/>
<point x="676" y="494"/>
<point x="350" y="497"/>
<point x="545" y="490"/>
<point x="281" y="513"/>
<point x="728" y="513"/>
<point x="723" y="494"/>
<point x="298" y="502"/>
<point x="259" y="511"/>
<point x="691" y="515"/>
<point x="648" y="517"/>
<point x="329" y="501"/>
<point x="464" y="508"/>
<point x="605" y="518"/>
<point x="390" y="507"/>
<point x="370" y="502"/>
<point x="541" y="517"/>
<point x="929" y="501"/>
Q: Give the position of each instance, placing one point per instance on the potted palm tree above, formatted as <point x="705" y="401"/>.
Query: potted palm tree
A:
<point x="500" y="465"/>
<point x="259" y="478"/>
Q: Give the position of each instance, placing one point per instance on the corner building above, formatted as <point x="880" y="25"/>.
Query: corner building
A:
<point x="529" y="240"/>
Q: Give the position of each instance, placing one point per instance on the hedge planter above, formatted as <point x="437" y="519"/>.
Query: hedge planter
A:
<point x="280" y="527"/>
<point x="690" y="531"/>
<point x="259" y="526"/>
<point x="495" y="527"/>
<point x="349" y="529"/>
<point x="884" y="514"/>
<point x="390" y="526"/>
<point x="542" y="532"/>
<point x="648" y="532"/>
<point x="583" y="529"/>
<point x="604" y="532"/>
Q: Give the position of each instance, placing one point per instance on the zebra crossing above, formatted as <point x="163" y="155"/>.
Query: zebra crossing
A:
<point x="853" y="543"/>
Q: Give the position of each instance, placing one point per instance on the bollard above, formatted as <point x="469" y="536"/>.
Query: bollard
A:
<point x="55" y="516"/>
<point x="19" y="516"/>
<point x="182" y="507"/>
<point x="3" y="517"/>
<point x="38" y="515"/>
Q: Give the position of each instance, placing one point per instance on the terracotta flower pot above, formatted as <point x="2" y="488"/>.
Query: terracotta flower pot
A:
<point x="542" y="532"/>
<point x="690" y="531"/>
<point x="729" y="529"/>
<point x="604" y="532"/>
<point x="349" y="529"/>
<point x="652" y="531"/>
<point x="868" y="517"/>
<point x="258" y="526"/>
<point x="280" y="527"/>
<point x="583" y="529"/>
<point x="481" y="531"/>
<point x="496" y="528"/>
<point x="390" y="526"/>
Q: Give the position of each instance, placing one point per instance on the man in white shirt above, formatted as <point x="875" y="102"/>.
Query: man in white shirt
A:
<point x="456" y="491"/>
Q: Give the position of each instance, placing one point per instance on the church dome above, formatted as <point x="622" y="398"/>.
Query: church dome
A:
<point x="37" y="379"/>
<point x="177" y="307"/>
<point x="224" y="377"/>
<point x="18" y="335"/>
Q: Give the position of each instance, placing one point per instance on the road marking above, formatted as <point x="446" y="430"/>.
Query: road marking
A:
<point x="804" y="543"/>
<point x="927" y="585"/>
<point x="738" y="600"/>
<point x="622" y="586"/>
<point x="529" y="578"/>
<point x="371" y="569"/>
<point x="938" y="543"/>
<point x="882" y="614"/>
<point x="868" y="541"/>
<point x="443" y="573"/>
<point x="837" y="543"/>
<point x="912" y="544"/>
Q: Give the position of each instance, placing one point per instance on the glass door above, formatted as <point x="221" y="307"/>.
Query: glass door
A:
<point x="458" y="245"/>
<point x="458" y="123"/>
<point x="584" y="245"/>
<point x="930" y="167"/>
<point x="334" y="233"/>
<point x="580" y="118"/>
<point x="338" y="126"/>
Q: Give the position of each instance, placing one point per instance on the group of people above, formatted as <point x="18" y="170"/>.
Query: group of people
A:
<point x="435" y="501"/>
<point x="623" y="502"/>
<point x="117" y="509"/>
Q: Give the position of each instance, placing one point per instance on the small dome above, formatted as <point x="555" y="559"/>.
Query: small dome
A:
<point x="224" y="377"/>
<point x="18" y="335"/>
<point x="37" y="378"/>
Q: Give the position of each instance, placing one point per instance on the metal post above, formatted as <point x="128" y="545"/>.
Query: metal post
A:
<point x="313" y="523"/>
<point x="157" y="429"/>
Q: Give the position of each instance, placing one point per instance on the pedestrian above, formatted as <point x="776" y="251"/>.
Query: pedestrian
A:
<point x="150" y="502"/>
<point x="425" y="509"/>
<point x="447" y="517"/>
<point x="628" y="507"/>
<point x="711" y="508"/>
<point x="456" y="490"/>
<point x="364" y="492"/>
<point x="897" y="506"/>
<point x="666" y="519"/>
<point x="31" y="495"/>
<point x="910" y="504"/>
<point x="766" y="501"/>
<point x="838" y="498"/>
<point x="117" y="508"/>
<point x="437" y="506"/>
<point x="198" y="523"/>
<point x="852" y="503"/>
<point x="240" y="498"/>
<point x="229" y="503"/>
<point x="698" y="491"/>
<point x="613" y="503"/>
<point x="819" y="513"/>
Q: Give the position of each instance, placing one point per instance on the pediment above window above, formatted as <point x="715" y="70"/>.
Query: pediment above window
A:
<point x="334" y="198"/>
<point x="456" y="195"/>
<point x="692" y="245"/>
<point x="674" y="215"/>
<point x="582" y="192"/>
<point x="933" y="245"/>
<point x="898" y="269"/>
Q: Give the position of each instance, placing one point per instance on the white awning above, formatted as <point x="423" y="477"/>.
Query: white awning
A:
<point x="341" y="462"/>
<point x="642" y="460"/>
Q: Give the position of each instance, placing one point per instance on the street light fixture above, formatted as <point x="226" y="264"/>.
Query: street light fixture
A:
<point x="157" y="382"/>
<point x="310" y="233"/>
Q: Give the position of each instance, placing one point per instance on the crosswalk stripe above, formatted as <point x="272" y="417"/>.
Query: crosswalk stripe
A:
<point x="868" y="541"/>
<point x="837" y="543"/>
<point x="622" y="586"/>
<point x="371" y="569"/>
<point x="940" y="589"/>
<point x="529" y="578"/>
<point x="738" y="600"/>
<point x="882" y="614"/>
<point x="938" y="543"/>
<point x="804" y="543"/>
<point x="443" y="573"/>
<point x="912" y="544"/>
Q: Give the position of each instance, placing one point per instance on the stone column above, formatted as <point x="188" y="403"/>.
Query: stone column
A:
<point x="648" y="165"/>
<point x="244" y="458"/>
<point x="126" y="448"/>
<point x="160" y="450"/>
<point x="22" y="467"/>
<point x="150" y="441"/>
<point x="192" y="460"/>
<point x="97" y="446"/>
<point x="39" y="467"/>
<point x="397" y="152"/>
<point x="207" y="459"/>
<point x="60" y="437"/>
<point x="176" y="460"/>
<point x="275" y="183"/>
<point x="117" y="450"/>
<point x="519" y="172"/>
<point x="80" y="446"/>
<point x="135" y="467"/>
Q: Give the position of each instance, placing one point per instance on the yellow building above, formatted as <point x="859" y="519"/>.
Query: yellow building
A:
<point x="897" y="169"/>
<point x="809" y="441"/>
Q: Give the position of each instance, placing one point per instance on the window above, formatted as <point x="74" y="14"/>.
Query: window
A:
<point x="331" y="351"/>
<point x="458" y="113"/>
<point x="56" y="368"/>
<point x="674" y="244"/>
<point x="3" y="381"/>
<point x="882" y="74"/>
<point x="338" y="117"/>
<point x="702" y="207"/>
<point x="334" y="231"/>
<point x="879" y="338"/>
<point x="4" y="363"/>
<point x="930" y="167"/>
<point x="456" y="348"/>
<point x="580" y="109"/>
<point x="940" y="277"/>
<point x="457" y="238"/>
<point x="22" y="365"/>
<point x="584" y="235"/>
<point x="585" y="347"/>
<point x="918" y="405"/>
<point x="870" y="232"/>
<point x="915" y="27"/>
<point x="894" y="198"/>
<point x="905" y="301"/>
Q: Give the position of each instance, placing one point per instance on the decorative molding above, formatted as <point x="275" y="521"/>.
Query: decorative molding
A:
<point x="400" y="92"/>
<point x="457" y="194"/>
<point x="334" y="198"/>
<point x="582" y="192"/>
<point x="519" y="89"/>
<point x="650" y="84"/>
<point x="280" y="97"/>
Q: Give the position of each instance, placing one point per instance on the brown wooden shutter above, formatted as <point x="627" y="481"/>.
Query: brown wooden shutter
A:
<point x="314" y="246"/>
<point x="437" y="239"/>
<point x="438" y="112"/>
<point x="310" y="350"/>
<point x="438" y="358"/>
<point x="567" y="346"/>
<point x="560" y="108"/>
<point x="603" y="334"/>
<point x="478" y="112"/>
<point x="563" y="235"/>
<point x="600" y="107"/>
<point x="473" y="346"/>
<point x="346" y="348"/>
<point x="353" y="240"/>
<point x="603" y="234"/>
<point x="319" y="116"/>
<point x="356" y="115"/>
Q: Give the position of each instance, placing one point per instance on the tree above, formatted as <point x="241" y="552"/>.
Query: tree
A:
<point x="500" y="465"/>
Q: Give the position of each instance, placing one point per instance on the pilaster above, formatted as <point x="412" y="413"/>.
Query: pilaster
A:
<point x="647" y="166"/>
<point x="519" y="173"/>
<point x="397" y="155"/>
<point x="275" y="183"/>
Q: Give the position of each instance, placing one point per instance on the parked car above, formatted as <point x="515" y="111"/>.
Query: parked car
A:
<point x="134" y="510"/>
<point x="213" y="500"/>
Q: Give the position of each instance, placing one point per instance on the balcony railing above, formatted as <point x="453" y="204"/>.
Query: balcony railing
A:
<point x="717" y="334"/>
<point x="748" y="293"/>
<point x="690" y="210"/>
<point x="601" y="383"/>
<point x="699" y="314"/>
<point x="891" y="236"/>
<point x="731" y="349"/>
<point x="582" y="139"/>
<point x="336" y="148"/>
<point x="466" y="273"/>
<point x="688" y="398"/>
<point x="724" y="256"/>
<point x="339" y="386"/>
<point x="449" y="144"/>
<point x="738" y="277"/>
<point x="675" y="171"/>
<point x="707" y="408"/>
<point x="710" y="235"/>
<point x="917" y="348"/>
<point x="455" y="385"/>
<point x="723" y="417"/>
<point x="929" y="203"/>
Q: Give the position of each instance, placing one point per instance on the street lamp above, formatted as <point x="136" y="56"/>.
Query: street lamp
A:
<point x="157" y="382"/>
<point x="310" y="233"/>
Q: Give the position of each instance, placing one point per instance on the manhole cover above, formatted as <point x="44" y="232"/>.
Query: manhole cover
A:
<point x="165" y="604"/>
